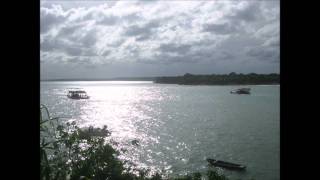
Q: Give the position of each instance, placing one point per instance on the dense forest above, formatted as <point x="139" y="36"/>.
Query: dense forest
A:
<point x="221" y="79"/>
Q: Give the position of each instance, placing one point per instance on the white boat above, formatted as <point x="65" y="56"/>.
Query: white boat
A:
<point x="77" y="94"/>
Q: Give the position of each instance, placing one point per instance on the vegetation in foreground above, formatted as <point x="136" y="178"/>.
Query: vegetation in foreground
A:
<point x="68" y="152"/>
<point x="221" y="79"/>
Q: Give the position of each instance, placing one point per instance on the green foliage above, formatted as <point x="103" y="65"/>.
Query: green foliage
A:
<point x="77" y="154"/>
<point x="213" y="175"/>
<point x="194" y="176"/>
<point x="68" y="152"/>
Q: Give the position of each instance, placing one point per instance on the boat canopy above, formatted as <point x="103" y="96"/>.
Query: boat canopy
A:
<point x="78" y="91"/>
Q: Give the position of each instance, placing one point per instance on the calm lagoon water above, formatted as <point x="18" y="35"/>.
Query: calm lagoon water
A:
<point x="178" y="127"/>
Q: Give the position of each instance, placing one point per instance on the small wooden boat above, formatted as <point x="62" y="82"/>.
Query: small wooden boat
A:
<point x="241" y="91"/>
<point x="226" y="165"/>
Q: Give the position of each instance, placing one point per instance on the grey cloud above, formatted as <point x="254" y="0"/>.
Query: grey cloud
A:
<point x="143" y="37"/>
<point x="142" y="32"/>
<point x="89" y="39"/>
<point x="180" y="49"/>
<point x="176" y="56"/>
<point x="269" y="34"/>
<point x="73" y="60"/>
<point x="135" y="30"/>
<point x="88" y="52"/>
<point x="95" y="35"/>
<point x="132" y="17"/>
<point x="272" y="42"/>
<point x="73" y="51"/>
<point x="117" y="43"/>
<point x="106" y="53"/>
<point x="264" y="54"/>
<point x="100" y="18"/>
<point x="76" y="51"/>
<point x="47" y="45"/>
<point x="236" y="21"/>
<point x="81" y="61"/>
<point x="224" y="55"/>
<point x="108" y="20"/>
<point x="65" y="41"/>
<point x="167" y="59"/>
<point x="49" y="18"/>
<point x="193" y="53"/>
<point x="211" y="55"/>
<point x="50" y="44"/>
<point x="76" y="34"/>
<point x="224" y="28"/>
<point x="70" y="29"/>
<point x="250" y="13"/>
<point x="269" y="31"/>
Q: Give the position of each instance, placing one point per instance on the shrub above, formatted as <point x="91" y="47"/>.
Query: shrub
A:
<point x="68" y="152"/>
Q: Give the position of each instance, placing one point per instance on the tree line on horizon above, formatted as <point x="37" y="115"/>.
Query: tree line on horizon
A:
<point x="221" y="79"/>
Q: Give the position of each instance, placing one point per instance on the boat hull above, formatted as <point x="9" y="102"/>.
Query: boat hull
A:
<point x="241" y="91"/>
<point x="71" y="97"/>
<point x="227" y="165"/>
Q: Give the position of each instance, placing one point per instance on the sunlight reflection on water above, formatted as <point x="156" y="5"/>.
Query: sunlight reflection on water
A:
<point x="125" y="110"/>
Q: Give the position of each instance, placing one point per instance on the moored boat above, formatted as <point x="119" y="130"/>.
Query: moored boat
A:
<point x="226" y="165"/>
<point x="78" y="94"/>
<point x="241" y="91"/>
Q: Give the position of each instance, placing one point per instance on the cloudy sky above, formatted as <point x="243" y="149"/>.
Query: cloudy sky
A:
<point x="104" y="39"/>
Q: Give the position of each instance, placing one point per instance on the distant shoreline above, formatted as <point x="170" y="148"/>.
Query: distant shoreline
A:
<point x="90" y="80"/>
<point x="222" y="79"/>
<point x="222" y="84"/>
<point x="116" y="79"/>
<point x="231" y="79"/>
<point x="168" y="83"/>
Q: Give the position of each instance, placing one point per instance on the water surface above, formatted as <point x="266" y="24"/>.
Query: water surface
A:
<point x="178" y="127"/>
